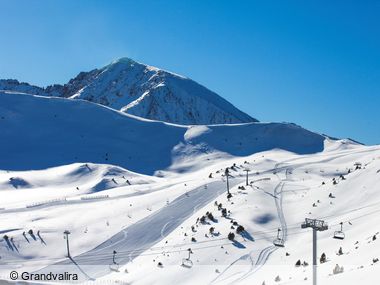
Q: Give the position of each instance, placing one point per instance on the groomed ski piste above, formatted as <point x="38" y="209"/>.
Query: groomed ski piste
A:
<point x="152" y="192"/>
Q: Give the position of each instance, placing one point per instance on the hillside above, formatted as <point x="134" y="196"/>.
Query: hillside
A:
<point x="144" y="186"/>
<point x="151" y="222"/>
<point x="38" y="133"/>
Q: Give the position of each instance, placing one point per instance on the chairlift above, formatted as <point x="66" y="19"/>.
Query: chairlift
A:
<point x="339" y="234"/>
<point x="278" y="241"/>
<point x="114" y="266"/>
<point x="186" y="262"/>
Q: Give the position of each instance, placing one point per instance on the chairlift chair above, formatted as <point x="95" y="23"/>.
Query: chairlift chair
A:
<point x="339" y="234"/>
<point x="114" y="267"/>
<point x="186" y="262"/>
<point x="278" y="241"/>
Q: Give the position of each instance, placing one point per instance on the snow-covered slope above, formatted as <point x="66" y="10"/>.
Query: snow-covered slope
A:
<point x="39" y="132"/>
<point x="144" y="91"/>
<point x="152" y="225"/>
<point x="145" y="189"/>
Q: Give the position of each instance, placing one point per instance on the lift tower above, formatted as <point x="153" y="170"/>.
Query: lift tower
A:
<point x="66" y="236"/>
<point x="316" y="225"/>
<point x="246" y="178"/>
<point x="227" y="173"/>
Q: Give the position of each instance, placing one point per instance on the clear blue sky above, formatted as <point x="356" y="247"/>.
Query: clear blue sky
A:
<point x="315" y="63"/>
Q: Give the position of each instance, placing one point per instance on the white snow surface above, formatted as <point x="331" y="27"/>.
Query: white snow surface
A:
<point x="119" y="182"/>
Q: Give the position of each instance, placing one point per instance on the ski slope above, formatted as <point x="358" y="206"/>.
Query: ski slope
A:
<point x="140" y="187"/>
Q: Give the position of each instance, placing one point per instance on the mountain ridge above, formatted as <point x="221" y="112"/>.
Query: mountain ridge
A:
<point x="38" y="134"/>
<point x="144" y="91"/>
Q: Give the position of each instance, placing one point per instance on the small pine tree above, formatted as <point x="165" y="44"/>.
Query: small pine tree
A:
<point x="323" y="258"/>
<point x="240" y="229"/>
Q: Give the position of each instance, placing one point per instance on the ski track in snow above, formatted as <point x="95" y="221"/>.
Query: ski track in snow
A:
<point x="141" y="236"/>
<point x="266" y="252"/>
<point x="135" y="239"/>
<point x="95" y="263"/>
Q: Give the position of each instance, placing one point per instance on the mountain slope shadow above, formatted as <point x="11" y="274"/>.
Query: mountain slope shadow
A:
<point x="40" y="132"/>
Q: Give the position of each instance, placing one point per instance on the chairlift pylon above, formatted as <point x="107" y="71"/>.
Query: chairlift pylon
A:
<point x="339" y="234"/>
<point x="278" y="241"/>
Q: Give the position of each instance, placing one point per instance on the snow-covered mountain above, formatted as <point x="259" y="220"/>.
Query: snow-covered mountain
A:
<point x="144" y="91"/>
<point x="150" y="191"/>
<point x="154" y="192"/>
